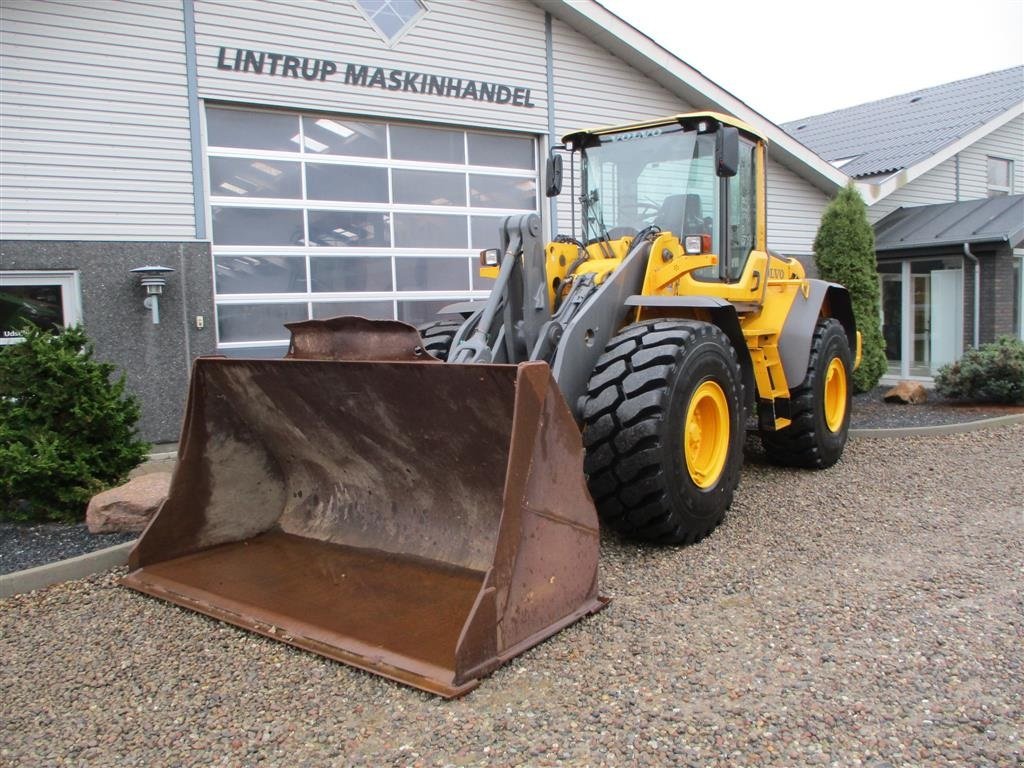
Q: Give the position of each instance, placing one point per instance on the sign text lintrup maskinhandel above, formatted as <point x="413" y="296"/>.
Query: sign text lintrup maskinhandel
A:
<point x="399" y="80"/>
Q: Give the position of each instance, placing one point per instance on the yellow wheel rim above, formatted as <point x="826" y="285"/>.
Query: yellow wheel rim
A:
<point x="706" y="434"/>
<point x="835" y="395"/>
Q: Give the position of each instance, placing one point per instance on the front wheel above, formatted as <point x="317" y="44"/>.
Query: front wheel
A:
<point x="820" y="406"/>
<point x="438" y="337"/>
<point x="663" y="430"/>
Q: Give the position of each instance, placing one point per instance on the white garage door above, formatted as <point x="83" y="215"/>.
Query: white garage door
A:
<point x="321" y="215"/>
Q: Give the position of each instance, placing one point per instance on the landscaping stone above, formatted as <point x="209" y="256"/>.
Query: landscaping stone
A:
<point x="907" y="392"/>
<point x="128" y="507"/>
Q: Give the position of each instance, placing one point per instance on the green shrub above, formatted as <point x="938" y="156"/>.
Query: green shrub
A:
<point x="992" y="373"/>
<point x="67" y="430"/>
<point x="844" y="252"/>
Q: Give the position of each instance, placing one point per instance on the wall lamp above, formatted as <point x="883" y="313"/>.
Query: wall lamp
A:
<point x="153" y="279"/>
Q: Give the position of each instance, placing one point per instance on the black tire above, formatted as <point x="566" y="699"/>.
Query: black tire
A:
<point x="808" y="442"/>
<point x="634" y="418"/>
<point x="438" y="336"/>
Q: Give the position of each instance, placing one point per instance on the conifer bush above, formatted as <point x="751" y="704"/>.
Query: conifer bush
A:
<point x="844" y="252"/>
<point x="67" y="428"/>
<point x="992" y="373"/>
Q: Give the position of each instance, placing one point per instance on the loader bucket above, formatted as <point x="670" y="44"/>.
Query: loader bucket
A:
<point x="422" y="521"/>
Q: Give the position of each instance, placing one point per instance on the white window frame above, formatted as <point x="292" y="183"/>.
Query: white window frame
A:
<point x="71" y="292"/>
<point x="392" y="41"/>
<point x="994" y="190"/>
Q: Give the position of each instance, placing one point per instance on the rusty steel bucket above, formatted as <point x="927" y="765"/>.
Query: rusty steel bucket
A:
<point x="422" y="521"/>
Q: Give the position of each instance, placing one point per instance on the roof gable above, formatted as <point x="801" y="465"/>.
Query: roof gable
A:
<point x="888" y="135"/>
<point x="593" y="20"/>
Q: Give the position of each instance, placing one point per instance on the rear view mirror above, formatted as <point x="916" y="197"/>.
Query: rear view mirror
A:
<point x="727" y="151"/>
<point x="553" y="174"/>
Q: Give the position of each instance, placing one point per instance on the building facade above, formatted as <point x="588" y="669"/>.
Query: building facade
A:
<point x="293" y="160"/>
<point x="942" y="171"/>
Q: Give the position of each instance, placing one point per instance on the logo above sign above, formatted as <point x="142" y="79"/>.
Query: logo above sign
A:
<point x="393" y="80"/>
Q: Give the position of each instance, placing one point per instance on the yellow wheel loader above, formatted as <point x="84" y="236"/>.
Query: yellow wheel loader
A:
<point x="416" y="503"/>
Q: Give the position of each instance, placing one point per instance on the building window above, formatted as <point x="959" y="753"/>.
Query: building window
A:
<point x="315" y="216"/>
<point x="392" y="18"/>
<point x="49" y="300"/>
<point x="1000" y="177"/>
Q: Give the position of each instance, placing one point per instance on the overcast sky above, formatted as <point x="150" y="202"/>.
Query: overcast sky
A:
<point x="795" y="58"/>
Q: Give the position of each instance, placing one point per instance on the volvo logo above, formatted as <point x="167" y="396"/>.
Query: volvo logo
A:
<point x="644" y="134"/>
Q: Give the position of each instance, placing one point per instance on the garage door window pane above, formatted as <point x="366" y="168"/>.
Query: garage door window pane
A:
<point x="261" y="274"/>
<point x="346" y="182"/>
<point x="244" y="177"/>
<point x="343" y="136"/>
<point x="355" y="229"/>
<point x="429" y="187"/>
<point x="256" y="226"/>
<point x="428" y="230"/>
<point x="501" y="151"/>
<point x="485" y="231"/>
<point x="419" y="312"/>
<point x="374" y="310"/>
<point x="502" y="192"/>
<point x="435" y="145"/>
<point x="350" y="273"/>
<point x="252" y="130"/>
<point x="428" y="274"/>
<point x="257" y="322"/>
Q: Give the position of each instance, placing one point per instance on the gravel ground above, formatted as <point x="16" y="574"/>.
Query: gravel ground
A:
<point x="870" y="614"/>
<point x="26" y="546"/>
<point x="870" y="411"/>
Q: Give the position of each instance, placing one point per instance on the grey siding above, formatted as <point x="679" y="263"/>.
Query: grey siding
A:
<point x="94" y="124"/>
<point x="794" y="212"/>
<point x="1006" y="142"/>
<point x="936" y="186"/>
<point x="486" y="40"/>
<point x="939" y="185"/>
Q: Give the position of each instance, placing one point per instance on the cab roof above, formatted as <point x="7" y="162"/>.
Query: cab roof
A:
<point x="589" y="135"/>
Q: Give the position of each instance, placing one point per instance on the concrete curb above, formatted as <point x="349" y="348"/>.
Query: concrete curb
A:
<point x="942" y="429"/>
<point x="65" y="570"/>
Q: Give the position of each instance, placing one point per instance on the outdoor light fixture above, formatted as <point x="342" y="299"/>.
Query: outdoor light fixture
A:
<point x="153" y="280"/>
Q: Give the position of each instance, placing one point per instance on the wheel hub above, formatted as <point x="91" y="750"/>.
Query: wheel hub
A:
<point x="835" y="395"/>
<point x="706" y="434"/>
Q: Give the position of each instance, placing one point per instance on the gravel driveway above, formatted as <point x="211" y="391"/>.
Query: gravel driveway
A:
<point x="870" y="614"/>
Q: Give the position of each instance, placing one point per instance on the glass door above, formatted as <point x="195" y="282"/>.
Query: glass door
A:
<point x="922" y="315"/>
<point x="891" y="278"/>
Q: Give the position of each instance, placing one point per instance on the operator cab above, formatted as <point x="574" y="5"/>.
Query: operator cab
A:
<point x="695" y="175"/>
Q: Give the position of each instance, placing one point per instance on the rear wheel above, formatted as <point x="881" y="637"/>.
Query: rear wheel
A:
<point x="438" y="336"/>
<point x="820" y="405"/>
<point x="663" y="430"/>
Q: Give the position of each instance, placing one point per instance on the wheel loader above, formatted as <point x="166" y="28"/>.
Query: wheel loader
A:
<point x="425" y="504"/>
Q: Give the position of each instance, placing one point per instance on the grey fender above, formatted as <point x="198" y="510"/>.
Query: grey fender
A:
<point x="798" y="330"/>
<point x="723" y="314"/>
<point x="463" y="308"/>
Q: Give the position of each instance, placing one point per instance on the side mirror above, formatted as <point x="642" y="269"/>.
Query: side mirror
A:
<point x="553" y="174"/>
<point x="727" y="151"/>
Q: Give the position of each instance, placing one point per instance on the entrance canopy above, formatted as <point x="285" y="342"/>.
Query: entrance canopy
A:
<point x="993" y="220"/>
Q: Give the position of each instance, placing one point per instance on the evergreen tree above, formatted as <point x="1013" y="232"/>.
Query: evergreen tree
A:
<point x="67" y="427"/>
<point x="844" y="252"/>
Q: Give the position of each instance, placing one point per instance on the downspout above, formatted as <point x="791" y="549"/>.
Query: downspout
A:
<point x="977" y="291"/>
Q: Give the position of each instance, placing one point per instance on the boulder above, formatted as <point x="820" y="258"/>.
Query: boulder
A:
<point x="128" y="507"/>
<point x="907" y="392"/>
